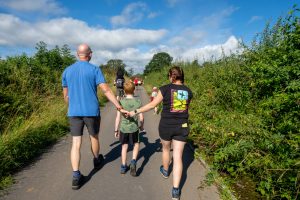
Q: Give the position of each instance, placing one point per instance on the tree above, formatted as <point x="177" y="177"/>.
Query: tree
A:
<point x="67" y="57"/>
<point x="42" y="53"/>
<point x="130" y="72"/>
<point x="195" y="63"/>
<point x="158" y="61"/>
<point x="116" y="64"/>
<point x="56" y="58"/>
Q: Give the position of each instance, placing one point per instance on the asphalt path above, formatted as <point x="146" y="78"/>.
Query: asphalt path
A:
<point x="49" y="176"/>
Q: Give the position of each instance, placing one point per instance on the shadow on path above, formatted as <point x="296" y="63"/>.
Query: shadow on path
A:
<point x="147" y="151"/>
<point x="92" y="173"/>
<point x="187" y="159"/>
<point x="112" y="155"/>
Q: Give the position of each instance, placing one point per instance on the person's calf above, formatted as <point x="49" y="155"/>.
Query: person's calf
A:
<point x="95" y="145"/>
<point x="98" y="161"/>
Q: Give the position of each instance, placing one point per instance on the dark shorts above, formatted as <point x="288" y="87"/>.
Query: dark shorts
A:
<point x="120" y="92"/>
<point x="170" y="132"/>
<point x="77" y="124"/>
<point x="129" y="138"/>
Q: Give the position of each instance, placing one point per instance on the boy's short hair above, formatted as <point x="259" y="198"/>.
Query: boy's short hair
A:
<point x="129" y="87"/>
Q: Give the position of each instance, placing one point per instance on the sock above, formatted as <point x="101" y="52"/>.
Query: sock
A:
<point x="76" y="174"/>
<point x="133" y="161"/>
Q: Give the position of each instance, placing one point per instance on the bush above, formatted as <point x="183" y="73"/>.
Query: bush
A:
<point x="26" y="81"/>
<point x="245" y="112"/>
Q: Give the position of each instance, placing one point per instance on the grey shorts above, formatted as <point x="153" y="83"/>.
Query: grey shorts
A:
<point x="120" y="92"/>
<point x="77" y="124"/>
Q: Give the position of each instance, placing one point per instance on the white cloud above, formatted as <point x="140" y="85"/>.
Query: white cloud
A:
<point x="137" y="60"/>
<point x="132" y="13"/>
<point x="44" y="6"/>
<point x="205" y="31"/>
<point x="72" y="32"/>
<point x="192" y="43"/>
<point x="215" y="20"/>
<point x="188" y="37"/>
<point x="202" y="41"/>
<point x="209" y="52"/>
<point x="132" y="57"/>
<point x="254" y="19"/>
<point x="205" y="53"/>
<point x="152" y="15"/>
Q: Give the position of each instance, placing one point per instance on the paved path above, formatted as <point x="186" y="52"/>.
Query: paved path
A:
<point x="49" y="178"/>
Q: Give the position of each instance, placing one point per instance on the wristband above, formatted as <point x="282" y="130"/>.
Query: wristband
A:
<point x="116" y="131"/>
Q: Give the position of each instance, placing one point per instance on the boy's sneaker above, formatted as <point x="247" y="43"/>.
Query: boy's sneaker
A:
<point x="98" y="161"/>
<point x="164" y="172"/>
<point x="124" y="169"/>
<point x="77" y="182"/>
<point x="175" y="194"/>
<point x="133" y="168"/>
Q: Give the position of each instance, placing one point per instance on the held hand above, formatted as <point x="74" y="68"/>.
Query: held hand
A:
<point x="122" y="110"/>
<point x="125" y="113"/>
<point x="131" y="113"/>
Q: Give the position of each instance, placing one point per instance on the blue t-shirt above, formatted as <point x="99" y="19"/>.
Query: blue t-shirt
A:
<point x="82" y="79"/>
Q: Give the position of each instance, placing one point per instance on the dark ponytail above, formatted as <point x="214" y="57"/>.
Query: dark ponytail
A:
<point x="176" y="73"/>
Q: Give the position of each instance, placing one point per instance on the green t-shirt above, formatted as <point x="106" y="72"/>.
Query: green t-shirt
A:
<point x="130" y="124"/>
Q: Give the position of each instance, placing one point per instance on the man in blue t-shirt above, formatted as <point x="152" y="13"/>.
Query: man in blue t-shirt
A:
<point x="80" y="82"/>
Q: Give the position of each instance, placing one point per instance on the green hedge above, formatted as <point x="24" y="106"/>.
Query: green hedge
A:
<point x="245" y="112"/>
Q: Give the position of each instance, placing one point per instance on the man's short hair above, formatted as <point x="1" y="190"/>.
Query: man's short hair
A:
<point x="129" y="87"/>
<point x="84" y="50"/>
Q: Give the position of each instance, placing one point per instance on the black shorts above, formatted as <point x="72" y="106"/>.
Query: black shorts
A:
<point x="129" y="138"/>
<point x="173" y="131"/>
<point x="77" y="124"/>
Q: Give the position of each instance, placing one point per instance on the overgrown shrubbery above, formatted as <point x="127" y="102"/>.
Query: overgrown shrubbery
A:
<point x="32" y="137"/>
<point x="245" y="112"/>
<point x="32" y="112"/>
<point x="25" y="81"/>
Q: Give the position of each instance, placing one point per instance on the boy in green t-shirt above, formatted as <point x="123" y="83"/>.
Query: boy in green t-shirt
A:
<point x="129" y="128"/>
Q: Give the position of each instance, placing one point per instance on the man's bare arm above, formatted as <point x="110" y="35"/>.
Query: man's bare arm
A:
<point x="109" y="94"/>
<point x="65" y="94"/>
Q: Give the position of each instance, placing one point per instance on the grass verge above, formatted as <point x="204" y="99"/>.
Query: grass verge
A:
<point x="18" y="147"/>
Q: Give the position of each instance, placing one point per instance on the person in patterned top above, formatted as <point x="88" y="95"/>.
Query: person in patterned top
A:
<point x="173" y="125"/>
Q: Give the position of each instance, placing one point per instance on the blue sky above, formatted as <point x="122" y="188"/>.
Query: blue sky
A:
<point x="135" y="30"/>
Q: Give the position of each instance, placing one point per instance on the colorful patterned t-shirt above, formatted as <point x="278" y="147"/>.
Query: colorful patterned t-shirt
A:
<point x="176" y="100"/>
